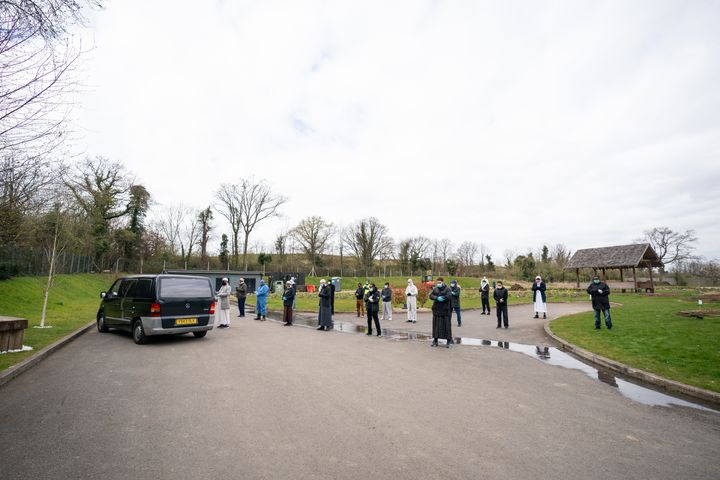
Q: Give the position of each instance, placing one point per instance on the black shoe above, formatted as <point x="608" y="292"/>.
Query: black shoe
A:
<point x="369" y="334"/>
<point x="597" y="328"/>
<point x="506" y="326"/>
<point x="320" y="328"/>
<point x="434" y="343"/>
<point x="256" y="318"/>
<point x="414" y="321"/>
<point x="447" y="345"/>
<point x="545" y="315"/>
<point x="499" y="326"/>
<point x="379" y="335"/>
<point x="459" y="324"/>
<point x="536" y="316"/>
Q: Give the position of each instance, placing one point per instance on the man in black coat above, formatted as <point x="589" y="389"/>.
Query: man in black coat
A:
<point x="599" y="292"/>
<point x="455" y="301"/>
<point x="372" y="306"/>
<point x="485" y="295"/>
<point x="440" y="296"/>
<point x="288" y="298"/>
<point x="501" y="297"/>
<point x="360" y="300"/>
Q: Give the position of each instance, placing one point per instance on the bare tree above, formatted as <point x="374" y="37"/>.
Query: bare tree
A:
<point x="483" y="252"/>
<point x="367" y="239"/>
<point x="560" y="255"/>
<point x="509" y="255"/>
<point x="445" y="250"/>
<point x="37" y="58"/>
<point x="281" y="245"/>
<point x="669" y="245"/>
<point x="466" y="254"/>
<point x="171" y="223"/>
<point x="313" y="234"/>
<point x="244" y="206"/>
<point x="204" y="219"/>
<point x="190" y="233"/>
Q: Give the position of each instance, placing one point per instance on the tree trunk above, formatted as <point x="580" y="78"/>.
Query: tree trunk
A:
<point x="245" y="245"/>
<point x="50" y="275"/>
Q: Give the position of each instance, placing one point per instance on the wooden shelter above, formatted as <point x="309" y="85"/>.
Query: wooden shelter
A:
<point x="619" y="257"/>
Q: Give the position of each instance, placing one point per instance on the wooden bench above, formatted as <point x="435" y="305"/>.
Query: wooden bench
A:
<point x="615" y="285"/>
<point x="12" y="331"/>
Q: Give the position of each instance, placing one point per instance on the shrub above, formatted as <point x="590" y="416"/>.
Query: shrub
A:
<point x="423" y="294"/>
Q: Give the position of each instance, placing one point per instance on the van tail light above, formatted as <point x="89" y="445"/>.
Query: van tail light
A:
<point x="154" y="309"/>
<point x="212" y="308"/>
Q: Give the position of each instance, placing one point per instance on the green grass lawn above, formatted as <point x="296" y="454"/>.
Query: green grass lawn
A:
<point x="73" y="302"/>
<point x="648" y="334"/>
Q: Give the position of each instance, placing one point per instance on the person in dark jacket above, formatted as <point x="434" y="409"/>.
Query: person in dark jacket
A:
<point x="485" y="295"/>
<point x="288" y="298"/>
<point x="360" y="300"/>
<point x="332" y="297"/>
<point x="440" y="295"/>
<point x="455" y="301"/>
<point x="386" y="295"/>
<point x="501" y="297"/>
<point x="539" y="298"/>
<point x="372" y="306"/>
<point x="325" y="312"/>
<point x="599" y="292"/>
<point x="241" y="293"/>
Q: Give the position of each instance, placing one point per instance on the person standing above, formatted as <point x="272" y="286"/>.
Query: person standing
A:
<point x="411" y="292"/>
<point x="599" y="292"/>
<point x="224" y="294"/>
<point x="386" y="295"/>
<point x="372" y="306"/>
<point x="261" y="295"/>
<point x="501" y="297"/>
<point x="455" y="301"/>
<point x="485" y="295"/>
<point x="241" y="294"/>
<point x="325" y="311"/>
<point x="539" y="298"/>
<point x="440" y="296"/>
<point x="332" y="297"/>
<point x="360" y="300"/>
<point x="288" y="299"/>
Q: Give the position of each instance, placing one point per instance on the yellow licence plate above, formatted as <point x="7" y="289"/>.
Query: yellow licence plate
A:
<point x="186" y="321"/>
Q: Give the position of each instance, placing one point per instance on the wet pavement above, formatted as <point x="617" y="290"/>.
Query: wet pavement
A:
<point x="523" y="326"/>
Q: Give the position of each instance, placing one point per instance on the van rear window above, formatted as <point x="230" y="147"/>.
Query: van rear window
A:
<point x="185" y="288"/>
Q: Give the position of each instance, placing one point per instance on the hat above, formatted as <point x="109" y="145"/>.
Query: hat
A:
<point x="225" y="280"/>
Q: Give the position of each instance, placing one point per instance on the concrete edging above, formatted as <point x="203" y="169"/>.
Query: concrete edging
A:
<point x="648" y="377"/>
<point x="11" y="372"/>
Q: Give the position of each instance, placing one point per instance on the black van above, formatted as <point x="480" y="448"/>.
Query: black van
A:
<point x="149" y="305"/>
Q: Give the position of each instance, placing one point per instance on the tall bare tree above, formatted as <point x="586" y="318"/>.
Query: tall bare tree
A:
<point x="313" y="234"/>
<point x="204" y="219"/>
<point x="466" y="254"/>
<point x="37" y="58"/>
<point x="229" y="198"/>
<point x="367" y="239"/>
<point x="245" y="205"/>
<point x="671" y="246"/>
<point x="281" y="245"/>
<point x="171" y="222"/>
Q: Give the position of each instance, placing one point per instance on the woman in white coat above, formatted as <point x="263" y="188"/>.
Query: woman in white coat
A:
<point x="224" y="311"/>
<point x="411" y="292"/>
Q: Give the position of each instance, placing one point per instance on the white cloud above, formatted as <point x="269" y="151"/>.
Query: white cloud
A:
<point x="510" y="123"/>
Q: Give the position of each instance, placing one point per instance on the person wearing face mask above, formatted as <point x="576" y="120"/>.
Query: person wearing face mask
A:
<point x="501" y="297"/>
<point x="599" y="292"/>
<point x="288" y="298"/>
<point x="386" y="295"/>
<point x="360" y="300"/>
<point x="455" y="301"/>
<point x="325" y="312"/>
<point x="485" y="295"/>
<point x="261" y="296"/>
<point x="411" y="292"/>
<point x="372" y="307"/>
<point x="539" y="298"/>
<point x="224" y="294"/>
<point x="440" y="296"/>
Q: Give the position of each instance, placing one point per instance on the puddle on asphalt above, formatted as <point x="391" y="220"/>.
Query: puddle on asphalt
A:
<point x="552" y="356"/>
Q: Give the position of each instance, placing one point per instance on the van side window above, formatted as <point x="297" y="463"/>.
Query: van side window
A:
<point x="113" y="292"/>
<point x="125" y="285"/>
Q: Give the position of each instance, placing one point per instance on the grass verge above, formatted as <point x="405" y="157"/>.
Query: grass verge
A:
<point x="649" y="334"/>
<point x="72" y="303"/>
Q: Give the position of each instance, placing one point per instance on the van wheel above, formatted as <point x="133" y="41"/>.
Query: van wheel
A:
<point x="102" y="328"/>
<point x="200" y="334"/>
<point x="138" y="333"/>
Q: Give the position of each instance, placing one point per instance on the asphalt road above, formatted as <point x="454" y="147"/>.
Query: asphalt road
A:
<point x="260" y="400"/>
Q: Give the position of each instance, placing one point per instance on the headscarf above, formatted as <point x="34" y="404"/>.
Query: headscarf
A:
<point x="484" y="282"/>
<point x="410" y="282"/>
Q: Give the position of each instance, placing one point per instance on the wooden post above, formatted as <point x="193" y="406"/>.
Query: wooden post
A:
<point x="652" y="283"/>
<point x="634" y="281"/>
<point x="604" y="276"/>
<point x="621" y="275"/>
<point x="577" y="276"/>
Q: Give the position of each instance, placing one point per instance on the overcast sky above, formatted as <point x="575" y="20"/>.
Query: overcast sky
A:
<point x="511" y="123"/>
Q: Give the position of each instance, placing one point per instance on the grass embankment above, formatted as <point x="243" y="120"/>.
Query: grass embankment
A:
<point x="649" y="334"/>
<point x="73" y="302"/>
<point x="345" y="300"/>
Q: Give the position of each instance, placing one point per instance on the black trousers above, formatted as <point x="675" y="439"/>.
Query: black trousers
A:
<point x="502" y="313"/>
<point x="287" y="314"/>
<point x="373" y="316"/>
<point x="485" y="304"/>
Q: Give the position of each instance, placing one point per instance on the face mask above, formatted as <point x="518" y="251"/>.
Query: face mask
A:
<point x="499" y="287"/>
<point x="439" y="284"/>
<point x="596" y="281"/>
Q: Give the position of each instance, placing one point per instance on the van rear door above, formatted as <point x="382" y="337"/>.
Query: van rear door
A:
<point x="185" y="301"/>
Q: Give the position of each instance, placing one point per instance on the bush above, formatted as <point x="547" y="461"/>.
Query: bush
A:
<point x="423" y="294"/>
<point x="8" y="270"/>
